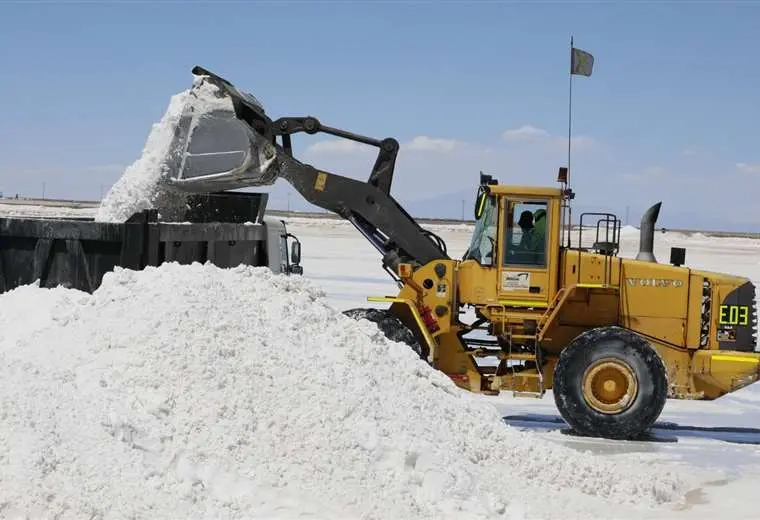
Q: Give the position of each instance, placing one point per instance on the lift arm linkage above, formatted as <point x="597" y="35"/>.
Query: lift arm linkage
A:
<point x="369" y="206"/>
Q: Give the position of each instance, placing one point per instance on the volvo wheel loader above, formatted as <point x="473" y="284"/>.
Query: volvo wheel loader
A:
<point x="612" y="337"/>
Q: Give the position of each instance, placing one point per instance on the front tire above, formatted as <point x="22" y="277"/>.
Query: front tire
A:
<point x="392" y="327"/>
<point x="610" y="382"/>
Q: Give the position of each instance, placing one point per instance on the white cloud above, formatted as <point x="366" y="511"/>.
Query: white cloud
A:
<point x="524" y="132"/>
<point x="425" y="143"/>
<point x="748" y="168"/>
<point x="339" y="146"/>
<point x="419" y="144"/>
<point x="451" y="164"/>
<point x="529" y="133"/>
<point x="456" y="163"/>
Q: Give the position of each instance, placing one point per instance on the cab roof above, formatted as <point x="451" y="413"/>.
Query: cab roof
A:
<point x="525" y="191"/>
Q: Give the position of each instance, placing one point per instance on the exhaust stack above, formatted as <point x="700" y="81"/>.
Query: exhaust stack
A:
<point x="646" y="239"/>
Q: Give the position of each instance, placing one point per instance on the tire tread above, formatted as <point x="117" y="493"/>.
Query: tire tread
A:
<point x="618" y="342"/>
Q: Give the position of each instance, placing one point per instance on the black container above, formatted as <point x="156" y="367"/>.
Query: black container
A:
<point x="237" y="207"/>
<point x="78" y="253"/>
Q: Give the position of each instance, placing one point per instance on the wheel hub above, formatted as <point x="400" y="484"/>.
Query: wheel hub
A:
<point x="609" y="386"/>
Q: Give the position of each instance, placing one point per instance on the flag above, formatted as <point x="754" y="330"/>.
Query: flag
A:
<point x="581" y="62"/>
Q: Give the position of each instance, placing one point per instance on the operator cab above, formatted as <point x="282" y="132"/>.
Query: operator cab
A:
<point x="525" y="234"/>
<point x="516" y="236"/>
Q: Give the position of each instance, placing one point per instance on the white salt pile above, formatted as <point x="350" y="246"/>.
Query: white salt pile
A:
<point x="141" y="185"/>
<point x="197" y="392"/>
<point x="626" y="231"/>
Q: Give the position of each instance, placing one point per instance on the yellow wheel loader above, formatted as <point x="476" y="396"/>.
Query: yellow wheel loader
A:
<point x="612" y="337"/>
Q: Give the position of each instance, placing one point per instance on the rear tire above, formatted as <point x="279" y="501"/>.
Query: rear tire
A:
<point x="610" y="382"/>
<point x="392" y="327"/>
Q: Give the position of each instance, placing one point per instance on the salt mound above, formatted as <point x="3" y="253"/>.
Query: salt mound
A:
<point x="629" y="232"/>
<point x="192" y="391"/>
<point x="140" y="187"/>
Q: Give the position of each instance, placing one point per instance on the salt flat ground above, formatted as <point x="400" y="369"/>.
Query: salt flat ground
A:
<point x="720" y="440"/>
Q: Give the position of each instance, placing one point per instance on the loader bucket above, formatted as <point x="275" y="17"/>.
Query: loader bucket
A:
<point x="214" y="148"/>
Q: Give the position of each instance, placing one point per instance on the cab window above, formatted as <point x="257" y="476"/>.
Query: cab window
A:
<point x="525" y="233"/>
<point x="483" y="240"/>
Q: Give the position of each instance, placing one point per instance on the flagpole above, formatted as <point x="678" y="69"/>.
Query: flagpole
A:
<point x="569" y="140"/>
<point x="570" y="111"/>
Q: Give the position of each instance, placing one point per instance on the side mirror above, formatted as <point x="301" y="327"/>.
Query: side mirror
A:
<point x="295" y="253"/>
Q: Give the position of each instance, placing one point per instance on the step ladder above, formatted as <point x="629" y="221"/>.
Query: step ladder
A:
<point x="552" y="310"/>
<point x="531" y="340"/>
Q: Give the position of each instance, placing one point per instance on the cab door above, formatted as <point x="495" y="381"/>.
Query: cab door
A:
<point x="527" y="271"/>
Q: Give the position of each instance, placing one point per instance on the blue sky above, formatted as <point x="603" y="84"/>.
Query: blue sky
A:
<point x="670" y="113"/>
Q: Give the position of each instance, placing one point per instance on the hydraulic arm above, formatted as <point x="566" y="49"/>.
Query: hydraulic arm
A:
<point x="225" y="141"/>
